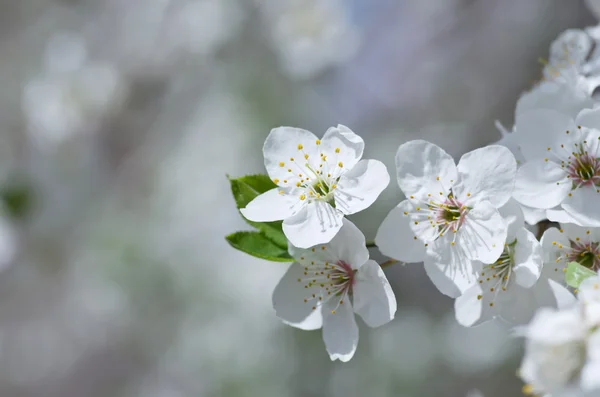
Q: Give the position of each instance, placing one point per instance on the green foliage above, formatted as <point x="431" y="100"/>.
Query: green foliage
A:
<point x="269" y="242"/>
<point x="17" y="200"/>
<point x="258" y="245"/>
<point x="576" y="273"/>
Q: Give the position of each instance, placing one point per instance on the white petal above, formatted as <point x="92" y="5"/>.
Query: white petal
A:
<point x="419" y="164"/>
<point x="358" y="188"/>
<point x="541" y="184"/>
<point x="554" y="327"/>
<point x="288" y="301"/>
<point x="514" y="218"/>
<point x="538" y="129"/>
<point x="517" y="305"/>
<point x="473" y="307"/>
<point x="373" y="297"/>
<point x="340" y="331"/>
<point x="272" y="206"/>
<point x="450" y="271"/>
<point x="533" y="215"/>
<point x="573" y="232"/>
<point x="349" y="245"/>
<point x="582" y="205"/>
<point x="528" y="258"/>
<point x="552" y="241"/>
<point x="487" y="174"/>
<point x="563" y="298"/>
<point x="350" y="146"/>
<point x="559" y="215"/>
<point x="316" y="223"/>
<point x="483" y="234"/>
<point x="589" y="118"/>
<point x="396" y="239"/>
<point x="284" y="144"/>
<point x="590" y="381"/>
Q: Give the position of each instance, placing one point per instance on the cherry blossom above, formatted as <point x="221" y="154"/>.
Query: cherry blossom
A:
<point x="562" y="167"/>
<point x="319" y="181"/>
<point x="450" y="218"/>
<point x="331" y="283"/>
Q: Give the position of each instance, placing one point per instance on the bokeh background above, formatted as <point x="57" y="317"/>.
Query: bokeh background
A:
<point x="119" y="120"/>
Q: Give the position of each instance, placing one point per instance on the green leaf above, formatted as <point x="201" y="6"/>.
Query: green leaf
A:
<point x="577" y="273"/>
<point x="258" y="245"/>
<point x="17" y="200"/>
<point x="244" y="190"/>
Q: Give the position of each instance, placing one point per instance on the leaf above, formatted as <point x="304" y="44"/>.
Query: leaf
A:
<point x="246" y="189"/>
<point x="258" y="245"/>
<point x="17" y="200"/>
<point x="576" y="273"/>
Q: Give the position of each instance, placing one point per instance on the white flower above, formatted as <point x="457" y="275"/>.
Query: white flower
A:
<point x="589" y="296"/>
<point x="450" y="218"/>
<point x="571" y="243"/>
<point x="319" y="181"/>
<point x="328" y="284"/>
<point x="310" y="35"/>
<point x="563" y="166"/>
<point x="562" y="355"/>
<point x="568" y="93"/>
<point x="571" y="48"/>
<point x="505" y="287"/>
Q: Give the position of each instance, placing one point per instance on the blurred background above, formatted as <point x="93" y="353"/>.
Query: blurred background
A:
<point x="119" y="120"/>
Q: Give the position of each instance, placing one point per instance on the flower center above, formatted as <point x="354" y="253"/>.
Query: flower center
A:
<point x="450" y="215"/>
<point x="581" y="162"/>
<point x="584" y="169"/>
<point x="325" y="281"/>
<point x="585" y="253"/>
<point x="496" y="276"/>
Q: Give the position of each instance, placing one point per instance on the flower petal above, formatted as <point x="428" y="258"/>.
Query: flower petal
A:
<point x="528" y="258"/>
<point x="553" y="245"/>
<point x="450" y="271"/>
<point x="395" y="237"/>
<point x="374" y="299"/>
<point x="358" y="188"/>
<point x="536" y="130"/>
<point x="589" y="118"/>
<point x="517" y="305"/>
<point x="284" y="144"/>
<point x="483" y="234"/>
<point x="473" y="307"/>
<point x="487" y="174"/>
<point x="350" y="146"/>
<point x="349" y="245"/>
<point x="272" y="206"/>
<point x="419" y="164"/>
<point x="316" y="223"/>
<point x="533" y="215"/>
<point x="541" y="184"/>
<point x="559" y="215"/>
<point x="512" y="214"/>
<point x="340" y="331"/>
<point x="288" y="301"/>
<point x="582" y="205"/>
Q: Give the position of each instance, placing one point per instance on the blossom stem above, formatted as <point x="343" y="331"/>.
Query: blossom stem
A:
<point x="371" y="244"/>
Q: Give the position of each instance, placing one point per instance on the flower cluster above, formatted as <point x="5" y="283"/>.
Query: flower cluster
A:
<point x="474" y="225"/>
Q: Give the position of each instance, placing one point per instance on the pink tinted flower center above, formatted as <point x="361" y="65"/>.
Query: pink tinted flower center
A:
<point x="585" y="253"/>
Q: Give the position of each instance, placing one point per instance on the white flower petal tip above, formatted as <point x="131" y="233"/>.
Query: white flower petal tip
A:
<point x="319" y="181"/>
<point x="329" y="284"/>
